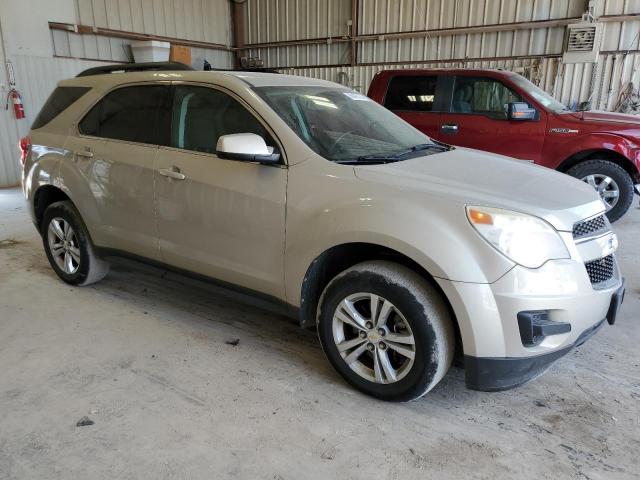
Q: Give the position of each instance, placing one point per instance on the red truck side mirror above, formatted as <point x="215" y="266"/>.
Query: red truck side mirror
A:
<point x="520" y="111"/>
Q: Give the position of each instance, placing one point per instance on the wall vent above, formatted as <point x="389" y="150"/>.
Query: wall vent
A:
<point x="582" y="43"/>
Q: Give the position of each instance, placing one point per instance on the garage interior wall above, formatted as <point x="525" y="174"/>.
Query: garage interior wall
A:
<point x="315" y="39"/>
<point x="41" y="56"/>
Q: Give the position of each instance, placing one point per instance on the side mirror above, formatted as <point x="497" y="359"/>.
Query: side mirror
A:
<point x="520" y="111"/>
<point x="246" y="147"/>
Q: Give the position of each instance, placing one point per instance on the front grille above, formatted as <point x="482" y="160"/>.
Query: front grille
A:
<point x="600" y="270"/>
<point x="589" y="227"/>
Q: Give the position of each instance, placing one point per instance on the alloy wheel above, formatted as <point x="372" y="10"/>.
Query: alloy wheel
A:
<point x="606" y="187"/>
<point x="63" y="244"/>
<point x="373" y="338"/>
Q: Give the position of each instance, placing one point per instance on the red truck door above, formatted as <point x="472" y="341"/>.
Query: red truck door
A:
<point x="477" y="118"/>
<point x="414" y="98"/>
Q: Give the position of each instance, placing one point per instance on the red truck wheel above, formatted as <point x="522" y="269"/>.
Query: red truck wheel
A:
<point x="611" y="181"/>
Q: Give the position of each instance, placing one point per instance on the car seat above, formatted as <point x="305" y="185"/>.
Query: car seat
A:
<point x="461" y="99"/>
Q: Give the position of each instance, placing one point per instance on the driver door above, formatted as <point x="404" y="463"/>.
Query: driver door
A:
<point x="224" y="219"/>
<point x="477" y="118"/>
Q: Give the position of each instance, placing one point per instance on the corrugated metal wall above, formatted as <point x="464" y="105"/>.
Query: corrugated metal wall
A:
<point x="281" y="20"/>
<point x="9" y="134"/>
<point x="536" y="50"/>
<point x="202" y="20"/>
<point x="36" y="76"/>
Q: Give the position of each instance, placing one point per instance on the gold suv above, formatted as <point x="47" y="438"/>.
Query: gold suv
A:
<point x="402" y="250"/>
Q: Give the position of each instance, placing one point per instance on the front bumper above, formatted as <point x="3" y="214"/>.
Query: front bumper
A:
<point x="496" y="357"/>
<point x="496" y="374"/>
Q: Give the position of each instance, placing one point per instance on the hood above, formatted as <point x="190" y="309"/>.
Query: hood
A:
<point x="475" y="177"/>
<point x="599" y="116"/>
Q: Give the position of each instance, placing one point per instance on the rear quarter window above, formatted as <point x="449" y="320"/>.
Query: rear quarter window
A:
<point x="132" y="114"/>
<point x="59" y="100"/>
<point x="411" y="93"/>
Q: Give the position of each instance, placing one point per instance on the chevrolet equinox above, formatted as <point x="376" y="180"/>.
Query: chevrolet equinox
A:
<point x="403" y="251"/>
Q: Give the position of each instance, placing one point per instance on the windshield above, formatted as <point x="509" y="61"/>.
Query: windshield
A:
<point x="538" y="94"/>
<point x="345" y="126"/>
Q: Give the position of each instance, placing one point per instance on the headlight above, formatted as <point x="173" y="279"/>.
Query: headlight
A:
<point x="525" y="239"/>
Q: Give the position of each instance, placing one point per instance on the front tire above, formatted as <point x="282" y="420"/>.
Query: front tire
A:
<point x="386" y="330"/>
<point x="68" y="246"/>
<point x="611" y="181"/>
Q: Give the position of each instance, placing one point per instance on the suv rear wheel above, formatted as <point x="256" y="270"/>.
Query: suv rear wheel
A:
<point x="386" y="330"/>
<point x="611" y="181"/>
<point x="68" y="246"/>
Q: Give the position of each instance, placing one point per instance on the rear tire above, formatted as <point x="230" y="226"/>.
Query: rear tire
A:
<point x="68" y="246"/>
<point x="593" y="171"/>
<point x="402" y="342"/>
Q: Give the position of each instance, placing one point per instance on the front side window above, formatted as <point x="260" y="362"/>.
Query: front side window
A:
<point x="538" y="94"/>
<point x="130" y="113"/>
<point x="484" y="96"/>
<point x="411" y="93"/>
<point x="342" y="125"/>
<point x="201" y="115"/>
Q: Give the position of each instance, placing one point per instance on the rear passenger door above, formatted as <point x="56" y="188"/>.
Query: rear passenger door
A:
<point x="416" y="99"/>
<point x="115" y="149"/>
<point x="477" y="118"/>
<point x="221" y="218"/>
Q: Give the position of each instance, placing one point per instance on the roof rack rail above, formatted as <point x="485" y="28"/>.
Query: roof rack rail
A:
<point x="134" y="67"/>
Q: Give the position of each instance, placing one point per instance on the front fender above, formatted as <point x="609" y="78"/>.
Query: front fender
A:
<point x="340" y="209"/>
<point x="613" y="142"/>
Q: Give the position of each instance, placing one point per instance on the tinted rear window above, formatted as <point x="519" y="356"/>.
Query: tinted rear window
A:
<point x="130" y="113"/>
<point x="414" y="93"/>
<point x="58" y="102"/>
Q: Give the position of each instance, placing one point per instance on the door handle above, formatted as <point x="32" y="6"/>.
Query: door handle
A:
<point x="173" y="172"/>
<point x="450" y="128"/>
<point x="86" y="153"/>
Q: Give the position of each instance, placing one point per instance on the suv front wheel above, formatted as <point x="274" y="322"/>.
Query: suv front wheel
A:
<point x="386" y="330"/>
<point x="68" y="246"/>
<point x="611" y="181"/>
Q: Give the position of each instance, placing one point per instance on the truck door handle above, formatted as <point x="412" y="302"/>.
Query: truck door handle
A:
<point x="173" y="172"/>
<point x="86" y="153"/>
<point x="449" y="128"/>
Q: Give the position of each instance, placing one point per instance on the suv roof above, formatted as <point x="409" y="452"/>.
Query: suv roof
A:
<point x="254" y="79"/>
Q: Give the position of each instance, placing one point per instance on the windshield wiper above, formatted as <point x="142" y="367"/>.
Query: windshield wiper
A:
<point x="403" y="153"/>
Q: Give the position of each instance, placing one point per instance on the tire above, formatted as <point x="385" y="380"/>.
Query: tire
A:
<point x="418" y="312"/>
<point x="598" y="169"/>
<point x="85" y="266"/>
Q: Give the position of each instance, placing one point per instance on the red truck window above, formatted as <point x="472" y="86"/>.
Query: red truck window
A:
<point x="484" y="96"/>
<point x="411" y="93"/>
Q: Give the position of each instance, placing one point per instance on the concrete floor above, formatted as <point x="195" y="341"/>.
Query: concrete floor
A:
<point x="145" y="358"/>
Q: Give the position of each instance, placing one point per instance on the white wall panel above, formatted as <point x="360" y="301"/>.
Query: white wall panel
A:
<point x="380" y="17"/>
<point x="30" y="44"/>
<point x="201" y="20"/>
<point x="36" y="78"/>
<point x="9" y="135"/>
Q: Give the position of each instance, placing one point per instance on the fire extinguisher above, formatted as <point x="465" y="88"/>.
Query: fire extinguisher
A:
<point x="16" y="100"/>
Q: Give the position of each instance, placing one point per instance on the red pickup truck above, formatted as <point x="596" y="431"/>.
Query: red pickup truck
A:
<point x="502" y="112"/>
